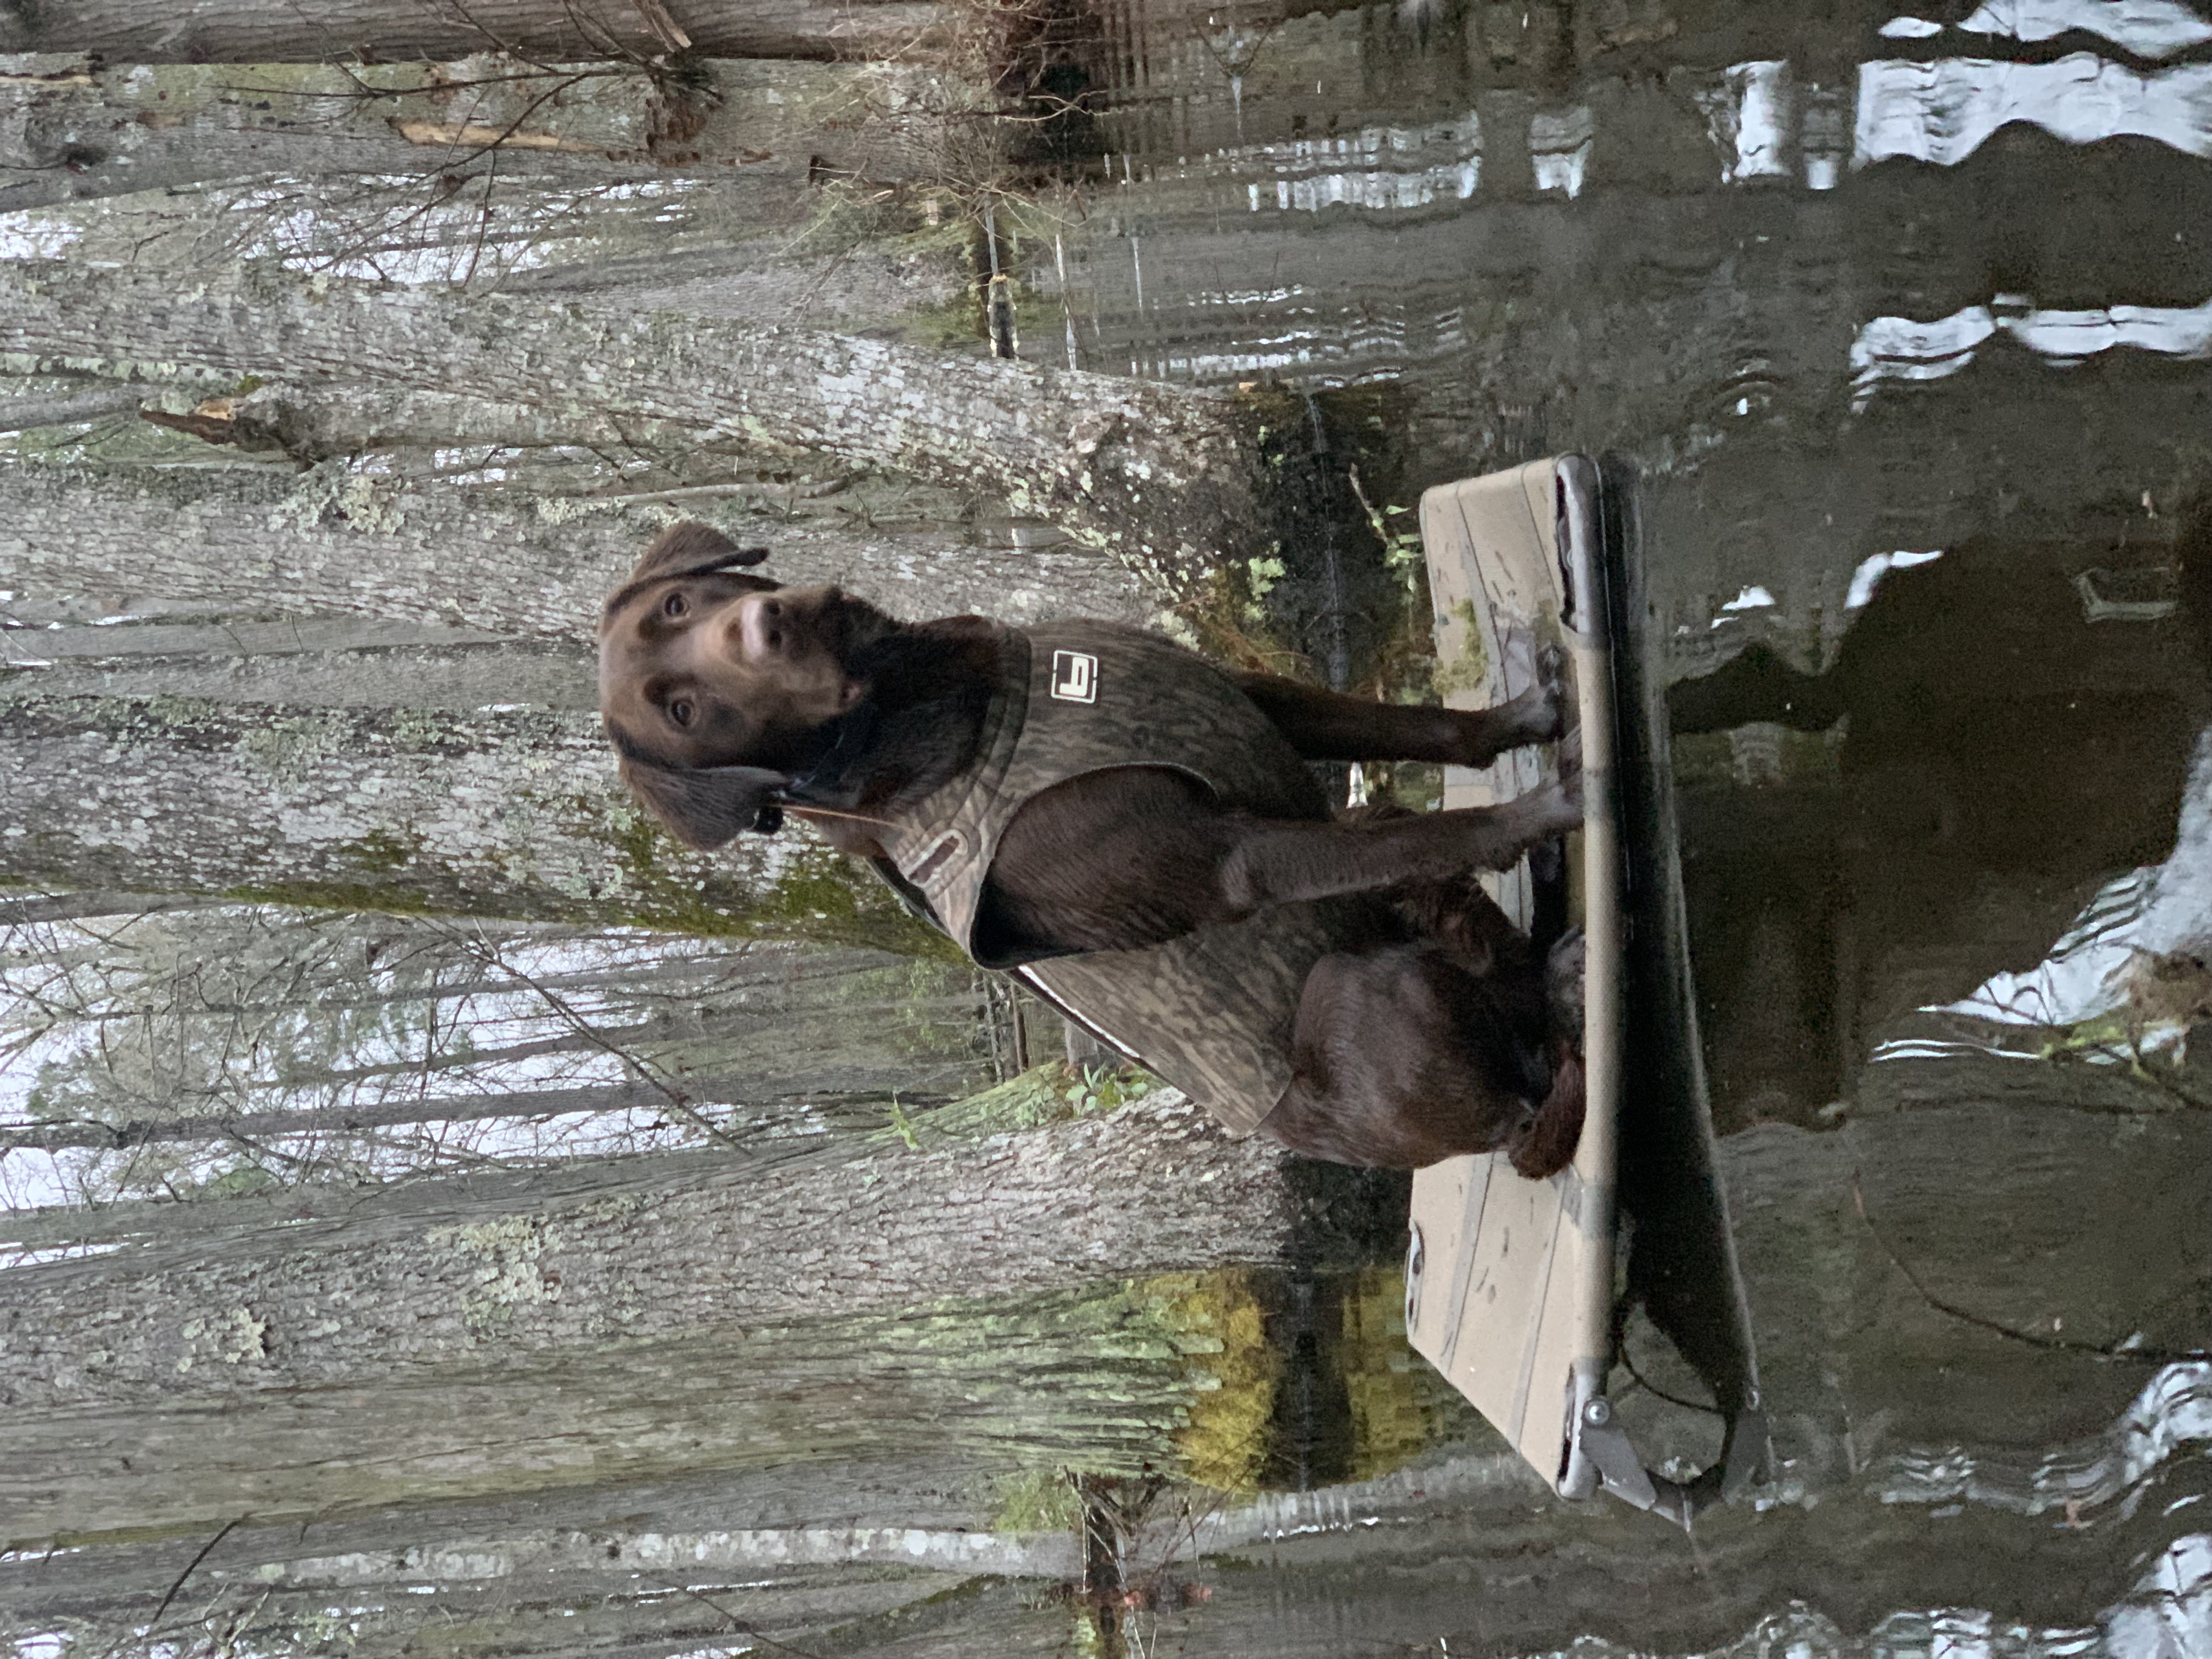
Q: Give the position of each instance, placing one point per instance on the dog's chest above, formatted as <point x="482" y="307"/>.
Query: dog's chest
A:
<point x="1080" y="697"/>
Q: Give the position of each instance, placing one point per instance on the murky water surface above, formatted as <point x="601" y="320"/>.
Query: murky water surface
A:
<point x="1902" y="322"/>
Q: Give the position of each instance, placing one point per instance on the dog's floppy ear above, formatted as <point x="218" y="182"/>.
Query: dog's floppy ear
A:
<point x="707" y="807"/>
<point x="692" y="549"/>
<point x="685" y="549"/>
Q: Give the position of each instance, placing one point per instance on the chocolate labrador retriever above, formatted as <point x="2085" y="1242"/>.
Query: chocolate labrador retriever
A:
<point x="1135" y="831"/>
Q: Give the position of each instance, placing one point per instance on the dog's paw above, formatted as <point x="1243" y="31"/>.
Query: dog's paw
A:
<point x="1557" y="691"/>
<point x="1553" y="809"/>
<point x="1544" y="711"/>
<point x="1570" y="770"/>
<point x="1564" y="971"/>
<point x="1543" y="714"/>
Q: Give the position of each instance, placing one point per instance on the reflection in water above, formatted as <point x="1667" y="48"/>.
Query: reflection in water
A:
<point x="1748" y="114"/>
<point x="2168" y="1615"/>
<point x="2148" y="28"/>
<point x="1945" y="111"/>
<point x="1900" y="348"/>
<point x="1559" y="150"/>
<point x="2173" y="1414"/>
<point x="1875" y="566"/>
<point x="2135" y="959"/>
<point x="1936" y="687"/>
<point x="1380" y="167"/>
<point x="2170" y="1419"/>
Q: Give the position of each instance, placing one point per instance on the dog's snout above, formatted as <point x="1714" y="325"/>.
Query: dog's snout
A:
<point x="759" y="628"/>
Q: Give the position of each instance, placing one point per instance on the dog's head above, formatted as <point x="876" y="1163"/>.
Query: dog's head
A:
<point x="716" y="686"/>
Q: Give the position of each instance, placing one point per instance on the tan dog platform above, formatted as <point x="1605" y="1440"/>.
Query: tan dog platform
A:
<point x="1509" y="1283"/>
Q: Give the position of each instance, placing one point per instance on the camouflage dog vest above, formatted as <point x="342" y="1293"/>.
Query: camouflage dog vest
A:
<point x="1211" y="1012"/>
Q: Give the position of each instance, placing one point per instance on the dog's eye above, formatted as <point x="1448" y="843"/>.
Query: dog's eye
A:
<point x="674" y="605"/>
<point x="680" y="712"/>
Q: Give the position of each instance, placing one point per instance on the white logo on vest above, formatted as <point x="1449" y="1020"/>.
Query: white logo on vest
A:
<point x="1075" y="677"/>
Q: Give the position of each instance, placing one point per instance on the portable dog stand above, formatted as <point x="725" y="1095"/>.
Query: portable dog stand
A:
<point x="1511" y="1283"/>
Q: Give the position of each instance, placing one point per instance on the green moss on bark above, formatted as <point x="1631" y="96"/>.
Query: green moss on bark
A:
<point x="809" y="903"/>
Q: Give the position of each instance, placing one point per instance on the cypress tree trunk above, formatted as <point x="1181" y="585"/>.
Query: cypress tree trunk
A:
<point x="272" y="31"/>
<point x="1098" y="1378"/>
<point x="510" y="1264"/>
<point x="514" y="814"/>
<point x="1167" y="479"/>
<point x="74" y="128"/>
<point x="332" y="540"/>
<point x="506" y="1332"/>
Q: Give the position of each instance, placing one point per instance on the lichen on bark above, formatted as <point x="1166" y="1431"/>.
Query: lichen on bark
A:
<point x="335" y="541"/>
<point x="514" y="813"/>
<point x="1169" y="480"/>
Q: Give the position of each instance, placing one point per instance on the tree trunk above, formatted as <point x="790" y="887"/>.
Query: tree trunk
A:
<point x="458" y="673"/>
<point x="549" y="1587"/>
<point x="1167" y="479"/>
<point x="276" y="31"/>
<point x="637" y="1320"/>
<point x="452" y="1116"/>
<point x="506" y="814"/>
<point x="73" y="129"/>
<point x="334" y="540"/>
<point x="1099" y="1380"/>
<point x="42" y="910"/>
<point x="502" y="1266"/>
<point x="68" y="407"/>
<point x="251" y="1048"/>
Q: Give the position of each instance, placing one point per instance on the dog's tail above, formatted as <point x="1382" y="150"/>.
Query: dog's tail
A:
<point x="1545" y="1145"/>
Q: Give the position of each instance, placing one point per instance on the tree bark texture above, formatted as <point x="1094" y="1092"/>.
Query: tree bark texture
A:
<point x="512" y="814"/>
<point x="461" y="678"/>
<point x="652" y="1249"/>
<point x="250" y="31"/>
<point x="1012" y="1302"/>
<point x="1092" y="1381"/>
<point x="335" y="540"/>
<point x="773" y="1589"/>
<point x="44" y="909"/>
<point x="755" y="1108"/>
<point x="73" y="128"/>
<point x="24" y="414"/>
<point x="253" y="1048"/>
<point x="1165" y="478"/>
<point x="917" y="1511"/>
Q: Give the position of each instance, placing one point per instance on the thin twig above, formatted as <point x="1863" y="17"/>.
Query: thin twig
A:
<point x="191" y="1566"/>
<point x="684" y="1109"/>
<point x="1658" y="1393"/>
<point x="2053" y="1344"/>
<point x="737" y="1627"/>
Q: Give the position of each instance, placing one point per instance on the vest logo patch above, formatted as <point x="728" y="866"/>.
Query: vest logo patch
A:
<point x="1074" y="677"/>
<point x="939" y="857"/>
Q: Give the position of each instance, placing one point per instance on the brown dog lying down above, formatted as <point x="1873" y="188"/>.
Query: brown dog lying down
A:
<point x="1134" y="830"/>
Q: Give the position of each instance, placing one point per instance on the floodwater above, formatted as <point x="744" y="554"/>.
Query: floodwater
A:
<point x="1901" y="322"/>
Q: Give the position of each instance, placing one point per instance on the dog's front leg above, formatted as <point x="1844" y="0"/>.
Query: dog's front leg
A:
<point x="1271" y="862"/>
<point x="1323" y="725"/>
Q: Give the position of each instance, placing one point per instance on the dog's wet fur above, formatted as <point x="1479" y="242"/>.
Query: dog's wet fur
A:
<point x="730" y="699"/>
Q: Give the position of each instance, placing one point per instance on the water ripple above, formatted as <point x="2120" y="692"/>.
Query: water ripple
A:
<point x="2173" y="1410"/>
